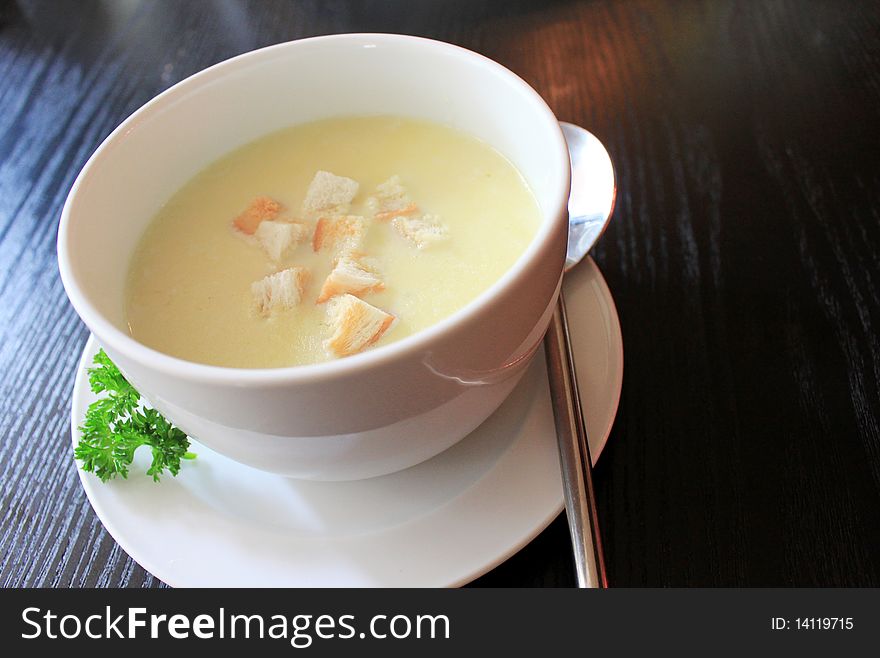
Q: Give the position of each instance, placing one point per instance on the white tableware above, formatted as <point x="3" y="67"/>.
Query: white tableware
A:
<point x="440" y="523"/>
<point x="375" y="412"/>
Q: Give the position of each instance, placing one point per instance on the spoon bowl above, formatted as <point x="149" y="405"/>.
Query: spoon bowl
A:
<point x="593" y="192"/>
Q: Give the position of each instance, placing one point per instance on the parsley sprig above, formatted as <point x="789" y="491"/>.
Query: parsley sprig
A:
<point x="116" y="425"/>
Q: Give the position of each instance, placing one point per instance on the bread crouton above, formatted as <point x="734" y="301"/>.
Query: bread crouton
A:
<point x="354" y="274"/>
<point x="327" y="191"/>
<point x="356" y="325"/>
<point x="391" y="200"/>
<point x="280" y="291"/>
<point x="339" y="234"/>
<point x="259" y="210"/>
<point x="276" y="237"/>
<point x="421" y="231"/>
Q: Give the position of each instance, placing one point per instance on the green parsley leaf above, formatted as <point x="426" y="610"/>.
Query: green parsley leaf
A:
<point x="116" y="425"/>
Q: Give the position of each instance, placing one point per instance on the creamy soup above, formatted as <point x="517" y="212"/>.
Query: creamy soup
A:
<point x="441" y="217"/>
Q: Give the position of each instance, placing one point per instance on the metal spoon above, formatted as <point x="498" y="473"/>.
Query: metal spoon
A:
<point x="593" y="190"/>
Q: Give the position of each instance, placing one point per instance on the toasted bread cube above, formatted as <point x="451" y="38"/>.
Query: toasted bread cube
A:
<point x="339" y="234"/>
<point x="356" y="325"/>
<point x="261" y="209"/>
<point x="280" y="291"/>
<point x="327" y="191"/>
<point x="277" y="237"/>
<point x="353" y="274"/>
<point x="421" y="231"/>
<point x="391" y="200"/>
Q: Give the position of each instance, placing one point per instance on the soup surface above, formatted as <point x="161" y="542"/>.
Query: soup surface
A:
<point x="190" y="287"/>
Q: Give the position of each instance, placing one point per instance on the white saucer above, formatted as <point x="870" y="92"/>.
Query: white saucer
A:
<point x="441" y="523"/>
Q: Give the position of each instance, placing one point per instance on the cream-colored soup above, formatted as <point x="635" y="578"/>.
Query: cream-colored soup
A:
<point x="189" y="288"/>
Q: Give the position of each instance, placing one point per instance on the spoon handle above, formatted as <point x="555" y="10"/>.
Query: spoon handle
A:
<point x="574" y="453"/>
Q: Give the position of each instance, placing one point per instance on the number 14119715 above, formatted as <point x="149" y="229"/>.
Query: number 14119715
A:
<point x="824" y="623"/>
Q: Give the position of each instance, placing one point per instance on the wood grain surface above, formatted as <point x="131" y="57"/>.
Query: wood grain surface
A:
<point x="744" y="258"/>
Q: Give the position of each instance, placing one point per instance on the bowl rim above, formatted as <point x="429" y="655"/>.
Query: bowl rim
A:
<point x="122" y="343"/>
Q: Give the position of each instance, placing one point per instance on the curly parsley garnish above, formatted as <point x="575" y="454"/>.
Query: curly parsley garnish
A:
<point x="116" y="425"/>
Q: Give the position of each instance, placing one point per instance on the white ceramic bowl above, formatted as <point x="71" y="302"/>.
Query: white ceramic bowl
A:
<point x="369" y="414"/>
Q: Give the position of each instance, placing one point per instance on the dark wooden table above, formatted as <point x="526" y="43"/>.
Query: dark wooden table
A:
<point x="744" y="257"/>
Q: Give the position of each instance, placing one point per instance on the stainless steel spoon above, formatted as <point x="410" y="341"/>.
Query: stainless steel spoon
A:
<point x="593" y="190"/>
